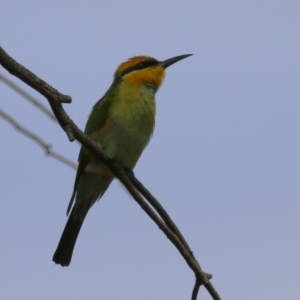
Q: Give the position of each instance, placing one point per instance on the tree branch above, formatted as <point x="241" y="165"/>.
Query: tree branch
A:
<point x="55" y="100"/>
<point x="28" y="97"/>
<point x="37" y="140"/>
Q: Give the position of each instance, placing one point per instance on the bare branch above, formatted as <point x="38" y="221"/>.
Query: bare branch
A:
<point x="55" y="100"/>
<point x="28" y="97"/>
<point x="37" y="140"/>
<point x="196" y="289"/>
<point x="32" y="80"/>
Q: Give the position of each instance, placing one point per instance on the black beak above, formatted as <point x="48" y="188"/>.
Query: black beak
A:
<point x="168" y="62"/>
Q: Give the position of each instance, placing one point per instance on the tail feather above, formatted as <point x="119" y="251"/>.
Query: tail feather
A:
<point x="64" y="251"/>
<point x="90" y="188"/>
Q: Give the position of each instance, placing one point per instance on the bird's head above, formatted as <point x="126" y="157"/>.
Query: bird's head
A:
<point x="147" y="70"/>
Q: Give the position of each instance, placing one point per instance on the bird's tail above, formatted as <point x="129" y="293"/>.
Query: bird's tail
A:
<point x="64" y="251"/>
<point x="90" y="188"/>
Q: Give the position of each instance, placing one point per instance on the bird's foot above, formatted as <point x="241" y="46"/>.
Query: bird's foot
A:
<point x="129" y="172"/>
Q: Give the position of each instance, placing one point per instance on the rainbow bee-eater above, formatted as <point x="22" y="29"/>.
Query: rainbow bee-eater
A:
<point x="122" y="122"/>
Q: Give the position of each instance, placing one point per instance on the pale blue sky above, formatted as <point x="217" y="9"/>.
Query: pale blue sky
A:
<point x="224" y="158"/>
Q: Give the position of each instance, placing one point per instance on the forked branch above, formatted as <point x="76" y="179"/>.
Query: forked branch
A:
<point x="135" y="188"/>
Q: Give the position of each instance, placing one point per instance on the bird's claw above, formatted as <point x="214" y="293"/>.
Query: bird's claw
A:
<point x="129" y="172"/>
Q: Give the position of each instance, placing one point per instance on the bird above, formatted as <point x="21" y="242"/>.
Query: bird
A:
<point x="122" y="122"/>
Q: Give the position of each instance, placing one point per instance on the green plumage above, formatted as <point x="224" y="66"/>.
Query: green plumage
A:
<point x="122" y="122"/>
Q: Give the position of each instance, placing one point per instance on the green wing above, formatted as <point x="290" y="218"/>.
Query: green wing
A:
<point x="100" y="113"/>
<point x="96" y="121"/>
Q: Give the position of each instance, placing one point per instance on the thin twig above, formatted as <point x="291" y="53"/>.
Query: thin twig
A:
<point x="37" y="140"/>
<point x="196" y="289"/>
<point x="161" y="211"/>
<point x="28" y="97"/>
<point x="163" y="214"/>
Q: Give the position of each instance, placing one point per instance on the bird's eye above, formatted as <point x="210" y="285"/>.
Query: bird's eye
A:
<point x="141" y="65"/>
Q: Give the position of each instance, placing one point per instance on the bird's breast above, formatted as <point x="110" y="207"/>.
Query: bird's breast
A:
<point x="133" y="118"/>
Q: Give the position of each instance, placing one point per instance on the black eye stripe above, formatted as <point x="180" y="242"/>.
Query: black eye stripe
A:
<point x="139" y="66"/>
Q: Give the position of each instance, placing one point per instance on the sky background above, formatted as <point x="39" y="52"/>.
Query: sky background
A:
<point x="223" y="161"/>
